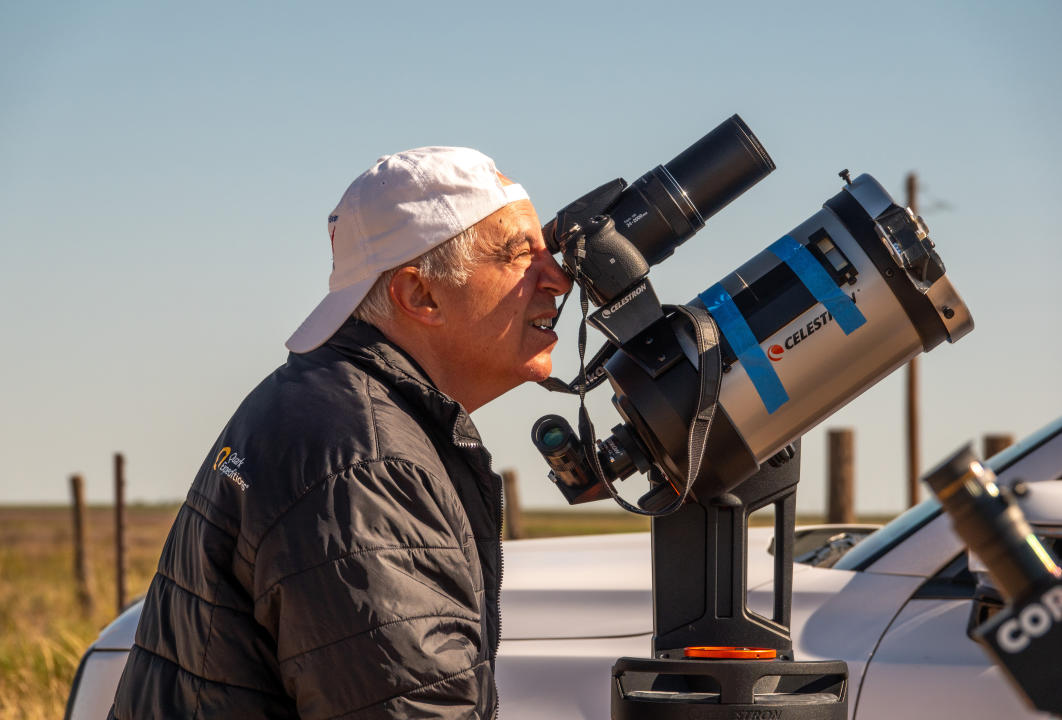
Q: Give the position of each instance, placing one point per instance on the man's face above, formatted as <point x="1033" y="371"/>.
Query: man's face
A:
<point x="494" y="321"/>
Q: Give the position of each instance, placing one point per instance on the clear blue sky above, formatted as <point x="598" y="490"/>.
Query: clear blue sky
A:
<point x="166" y="170"/>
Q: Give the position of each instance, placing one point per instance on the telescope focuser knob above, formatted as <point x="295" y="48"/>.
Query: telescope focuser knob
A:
<point x="781" y="457"/>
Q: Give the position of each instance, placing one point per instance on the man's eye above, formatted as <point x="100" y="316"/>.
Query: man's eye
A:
<point x="520" y="250"/>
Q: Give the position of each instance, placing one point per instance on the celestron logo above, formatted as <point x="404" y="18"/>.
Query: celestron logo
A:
<point x="607" y="312"/>
<point x="228" y="464"/>
<point x="1034" y="620"/>
<point x="776" y="351"/>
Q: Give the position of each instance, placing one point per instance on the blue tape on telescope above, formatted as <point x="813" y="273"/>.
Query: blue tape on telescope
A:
<point x="819" y="282"/>
<point x="744" y="344"/>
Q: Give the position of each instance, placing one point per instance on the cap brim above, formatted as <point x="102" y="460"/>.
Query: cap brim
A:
<point x="329" y="316"/>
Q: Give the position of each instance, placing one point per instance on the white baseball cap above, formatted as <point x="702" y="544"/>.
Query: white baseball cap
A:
<point x="400" y="208"/>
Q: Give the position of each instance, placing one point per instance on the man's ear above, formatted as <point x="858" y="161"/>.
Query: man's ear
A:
<point x="411" y="295"/>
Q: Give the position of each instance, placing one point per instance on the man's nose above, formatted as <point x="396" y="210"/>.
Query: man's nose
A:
<point x="553" y="279"/>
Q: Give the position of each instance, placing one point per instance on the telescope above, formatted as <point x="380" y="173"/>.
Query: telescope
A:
<point x="713" y="396"/>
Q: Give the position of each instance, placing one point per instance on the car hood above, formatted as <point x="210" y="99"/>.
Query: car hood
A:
<point x="592" y="586"/>
<point x="120" y="633"/>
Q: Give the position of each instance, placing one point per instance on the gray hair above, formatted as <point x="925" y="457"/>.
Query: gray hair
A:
<point x="450" y="263"/>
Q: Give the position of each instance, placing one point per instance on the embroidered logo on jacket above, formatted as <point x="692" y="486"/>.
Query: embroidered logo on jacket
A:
<point x="228" y="464"/>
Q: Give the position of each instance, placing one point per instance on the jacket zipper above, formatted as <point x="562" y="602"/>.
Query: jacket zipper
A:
<point x="499" y="515"/>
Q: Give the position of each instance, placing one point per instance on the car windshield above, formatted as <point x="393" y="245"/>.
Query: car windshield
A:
<point x="888" y="536"/>
<point x="878" y="543"/>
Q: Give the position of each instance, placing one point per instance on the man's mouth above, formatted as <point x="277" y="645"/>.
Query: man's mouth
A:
<point x="543" y="323"/>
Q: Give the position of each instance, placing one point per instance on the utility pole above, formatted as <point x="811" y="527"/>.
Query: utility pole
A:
<point x="913" y="449"/>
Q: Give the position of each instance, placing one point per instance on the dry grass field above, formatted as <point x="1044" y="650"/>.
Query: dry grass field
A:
<point x="43" y="631"/>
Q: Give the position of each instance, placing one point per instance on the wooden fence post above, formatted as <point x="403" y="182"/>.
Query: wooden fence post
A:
<point x="841" y="482"/>
<point x="81" y="564"/>
<point x="514" y="521"/>
<point x="119" y="528"/>
<point x="994" y="442"/>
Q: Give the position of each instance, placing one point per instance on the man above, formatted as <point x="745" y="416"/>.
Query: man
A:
<point x="338" y="554"/>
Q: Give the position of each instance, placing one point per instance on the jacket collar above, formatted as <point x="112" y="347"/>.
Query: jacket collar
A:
<point x="364" y="345"/>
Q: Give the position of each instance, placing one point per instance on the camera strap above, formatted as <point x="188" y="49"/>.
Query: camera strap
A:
<point x="710" y="377"/>
<point x="595" y="370"/>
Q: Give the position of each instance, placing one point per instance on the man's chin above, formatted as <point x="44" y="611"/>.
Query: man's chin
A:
<point x="539" y="370"/>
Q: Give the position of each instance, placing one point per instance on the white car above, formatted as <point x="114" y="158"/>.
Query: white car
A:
<point x="895" y="607"/>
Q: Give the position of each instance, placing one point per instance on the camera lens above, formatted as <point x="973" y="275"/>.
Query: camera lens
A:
<point x="663" y="208"/>
<point x="720" y="166"/>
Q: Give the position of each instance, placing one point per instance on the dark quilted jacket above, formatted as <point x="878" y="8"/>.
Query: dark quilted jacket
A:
<point x="337" y="556"/>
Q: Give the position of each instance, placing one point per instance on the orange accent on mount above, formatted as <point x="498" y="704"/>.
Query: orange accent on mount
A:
<point x="731" y="653"/>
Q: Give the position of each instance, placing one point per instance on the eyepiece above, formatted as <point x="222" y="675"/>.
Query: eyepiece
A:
<point x="992" y="525"/>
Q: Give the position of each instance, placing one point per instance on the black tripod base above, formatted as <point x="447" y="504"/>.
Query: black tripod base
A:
<point x="660" y="689"/>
